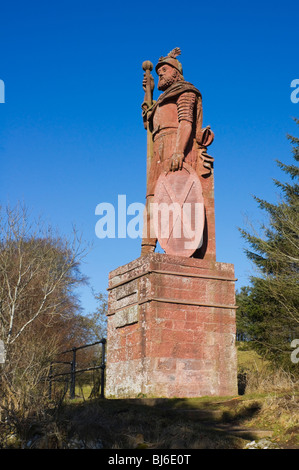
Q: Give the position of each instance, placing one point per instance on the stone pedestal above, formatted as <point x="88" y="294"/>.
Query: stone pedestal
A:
<point x="171" y="328"/>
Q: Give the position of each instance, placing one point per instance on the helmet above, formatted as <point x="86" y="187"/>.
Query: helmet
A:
<point x="170" y="59"/>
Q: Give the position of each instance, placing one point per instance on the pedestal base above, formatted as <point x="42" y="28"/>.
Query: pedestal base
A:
<point x="171" y="329"/>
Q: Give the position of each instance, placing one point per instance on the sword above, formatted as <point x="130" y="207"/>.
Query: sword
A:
<point x="148" y="67"/>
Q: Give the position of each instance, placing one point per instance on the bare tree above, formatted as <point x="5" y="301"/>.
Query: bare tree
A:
<point x="39" y="272"/>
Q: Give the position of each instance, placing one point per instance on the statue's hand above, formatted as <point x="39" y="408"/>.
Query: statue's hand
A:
<point x="176" y="162"/>
<point x="152" y="82"/>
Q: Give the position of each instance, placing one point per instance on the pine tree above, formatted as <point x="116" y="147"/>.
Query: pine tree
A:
<point x="271" y="304"/>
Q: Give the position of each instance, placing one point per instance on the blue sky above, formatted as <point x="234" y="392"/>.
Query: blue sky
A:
<point x="71" y="134"/>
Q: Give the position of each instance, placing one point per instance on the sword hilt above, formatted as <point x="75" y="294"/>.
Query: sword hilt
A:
<point x="148" y="67"/>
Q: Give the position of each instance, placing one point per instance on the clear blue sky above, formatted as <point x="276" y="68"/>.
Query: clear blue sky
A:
<point x="71" y="134"/>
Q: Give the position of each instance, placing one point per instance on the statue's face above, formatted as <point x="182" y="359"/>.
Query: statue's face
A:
<point x="167" y="76"/>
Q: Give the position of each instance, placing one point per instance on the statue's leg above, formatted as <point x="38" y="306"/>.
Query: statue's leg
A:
<point x="149" y="239"/>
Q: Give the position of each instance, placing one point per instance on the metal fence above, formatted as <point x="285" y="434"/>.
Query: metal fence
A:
<point x="71" y="374"/>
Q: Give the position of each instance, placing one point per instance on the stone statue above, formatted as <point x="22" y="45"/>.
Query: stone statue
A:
<point x="150" y="350"/>
<point x="175" y="133"/>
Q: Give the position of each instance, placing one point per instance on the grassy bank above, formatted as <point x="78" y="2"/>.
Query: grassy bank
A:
<point x="269" y="407"/>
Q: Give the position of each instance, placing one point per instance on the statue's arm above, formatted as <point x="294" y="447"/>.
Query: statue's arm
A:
<point x="183" y="136"/>
<point x="185" y="106"/>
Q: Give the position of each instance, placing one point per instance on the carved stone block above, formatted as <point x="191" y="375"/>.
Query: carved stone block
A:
<point x="171" y="328"/>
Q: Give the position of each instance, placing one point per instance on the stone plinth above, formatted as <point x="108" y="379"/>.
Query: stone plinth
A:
<point x="171" y="328"/>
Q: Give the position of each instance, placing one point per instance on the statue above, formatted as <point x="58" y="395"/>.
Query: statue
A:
<point x="150" y="350"/>
<point x="174" y="131"/>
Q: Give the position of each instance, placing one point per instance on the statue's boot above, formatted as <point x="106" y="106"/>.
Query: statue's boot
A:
<point x="148" y="246"/>
<point x="149" y="240"/>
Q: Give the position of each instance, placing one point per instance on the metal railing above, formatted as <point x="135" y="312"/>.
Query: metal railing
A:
<point x="74" y="370"/>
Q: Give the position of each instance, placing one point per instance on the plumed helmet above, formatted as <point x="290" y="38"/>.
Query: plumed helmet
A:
<point x="170" y="59"/>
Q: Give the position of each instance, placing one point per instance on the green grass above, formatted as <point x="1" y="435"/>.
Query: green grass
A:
<point x="249" y="359"/>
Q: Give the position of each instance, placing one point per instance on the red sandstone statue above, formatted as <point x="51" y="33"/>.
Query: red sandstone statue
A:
<point x="175" y="133"/>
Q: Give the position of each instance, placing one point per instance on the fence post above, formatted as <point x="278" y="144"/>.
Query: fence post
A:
<point x="73" y="371"/>
<point x="103" y="365"/>
<point x="73" y="375"/>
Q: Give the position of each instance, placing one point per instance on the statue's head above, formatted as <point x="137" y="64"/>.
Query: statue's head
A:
<point x="169" y="69"/>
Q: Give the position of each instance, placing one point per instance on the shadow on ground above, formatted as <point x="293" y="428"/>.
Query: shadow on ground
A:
<point x="158" y="423"/>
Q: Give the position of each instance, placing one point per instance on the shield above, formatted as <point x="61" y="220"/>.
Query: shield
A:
<point x="178" y="212"/>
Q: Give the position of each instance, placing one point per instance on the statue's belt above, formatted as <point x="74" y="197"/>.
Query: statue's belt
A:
<point x="162" y="131"/>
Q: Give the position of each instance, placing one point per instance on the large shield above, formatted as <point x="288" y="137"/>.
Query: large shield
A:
<point x="178" y="212"/>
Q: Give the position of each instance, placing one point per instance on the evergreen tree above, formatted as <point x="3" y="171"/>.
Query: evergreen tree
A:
<point x="269" y="309"/>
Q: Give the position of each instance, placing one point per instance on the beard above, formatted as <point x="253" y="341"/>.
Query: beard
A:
<point x="165" y="82"/>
